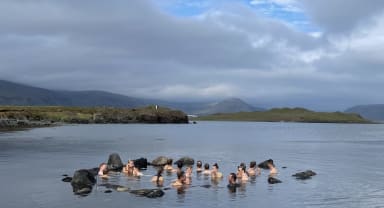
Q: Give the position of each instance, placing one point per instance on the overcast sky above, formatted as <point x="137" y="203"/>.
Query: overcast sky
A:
<point x="318" y="54"/>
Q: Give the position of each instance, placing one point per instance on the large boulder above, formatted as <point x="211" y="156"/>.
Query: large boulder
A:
<point x="264" y="165"/>
<point x="159" y="161"/>
<point x="304" y="175"/>
<point x="150" y="193"/>
<point x="141" y="163"/>
<point x="185" y="161"/>
<point x="114" y="162"/>
<point x="82" y="182"/>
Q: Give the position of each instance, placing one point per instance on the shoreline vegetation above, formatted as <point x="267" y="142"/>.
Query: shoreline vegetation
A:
<point x="19" y="117"/>
<point x="300" y="115"/>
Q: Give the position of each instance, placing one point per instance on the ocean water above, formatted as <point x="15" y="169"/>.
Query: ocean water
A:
<point x="348" y="160"/>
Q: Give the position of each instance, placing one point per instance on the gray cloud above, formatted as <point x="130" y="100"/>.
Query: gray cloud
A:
<point x="342" y="15"/>
<point x="132" y="47"/>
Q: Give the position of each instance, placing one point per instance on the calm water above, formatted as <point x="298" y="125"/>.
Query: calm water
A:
<point x="348" y="160"/>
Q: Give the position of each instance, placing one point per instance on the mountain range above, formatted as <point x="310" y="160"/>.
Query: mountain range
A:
<point x="23" y="95"/>
<point x="374" y="112"/>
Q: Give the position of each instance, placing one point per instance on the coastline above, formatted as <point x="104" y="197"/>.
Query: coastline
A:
<point x="20" y="117"/>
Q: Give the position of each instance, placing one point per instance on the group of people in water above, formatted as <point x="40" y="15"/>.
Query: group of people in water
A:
<point x="184" y="177"/>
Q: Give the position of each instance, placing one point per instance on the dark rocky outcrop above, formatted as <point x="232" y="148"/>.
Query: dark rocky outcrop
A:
<point x="82" y="182"/>
<point x="115" y="163"/>
<point x="272" y="180"/>
<point x="185" y="161"/>
<point x="141" y="163"/>
<point x="264" y="165"/>
<point x="160" y="161"/>
<point x="304" y="175"/>
<point x="149" y="193"/>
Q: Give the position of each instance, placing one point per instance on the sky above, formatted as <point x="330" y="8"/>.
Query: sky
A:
<point x="319" y="54"/>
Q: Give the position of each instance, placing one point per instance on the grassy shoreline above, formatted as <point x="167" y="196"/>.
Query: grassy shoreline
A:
<point x="299" y="115"/>
<point x="14" y="117"/>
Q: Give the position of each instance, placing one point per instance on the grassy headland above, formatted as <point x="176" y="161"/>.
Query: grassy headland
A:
<point x="288" y="115"/>
<point x="31" y="116"/>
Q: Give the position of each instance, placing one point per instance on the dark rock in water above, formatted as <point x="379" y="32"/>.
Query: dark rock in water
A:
<point x="185" y="161"/>
<point x="304" y="175"/>
<point x="108" y="191"/>
<point x="150" y="193"/>
<point x="159" y="161"/>
<point x="272" y="180"/>
<point x="141" y="163"/>
<point x="67" y="179"/>
<point x="64" y="175"/>
<point x="82" y="182"/>
<point x="94" y="171"/>
<point x="115" y="163"/>
<point x="194" y="122"/>
<point x="264" y="165"/>
<point x="284" y="167"/>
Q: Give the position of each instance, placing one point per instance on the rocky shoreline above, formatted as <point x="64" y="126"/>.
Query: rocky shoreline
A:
<point x="19" y="117"/>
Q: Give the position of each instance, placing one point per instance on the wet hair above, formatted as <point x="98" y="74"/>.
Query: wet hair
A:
<point x="270" y="161"/>
<point x="159" y="172"/>
<point x="206" y="166"/>
<point x="233" y="175"/>
<point x="216" y="165"/>
<point x="169" y="161"/>
<point x="252" y="164"/>
<point x="179" y="164"/>
<point x="199" y="164"/>
<point x="180" y="174"/>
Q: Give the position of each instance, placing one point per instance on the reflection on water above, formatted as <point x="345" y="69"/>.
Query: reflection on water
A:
<point x="347" y="158"/>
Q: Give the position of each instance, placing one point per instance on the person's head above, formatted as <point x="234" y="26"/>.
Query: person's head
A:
<point x="179" y="164"/>
<point x="199" y="164"/>
<point x="232" y="178"/>
<point x="252" y="164"/>
<point x="243" y="165"/>
<point x="206" y="166"/>
<point x="270" y="164"/>
<point x="103" y="167"/>
<point x="169" y="161"/>
<point x="181" y="175"/>
<point x="215" y="166"/>
<point x="131" y="164"/>
<point x="188" y="169"/>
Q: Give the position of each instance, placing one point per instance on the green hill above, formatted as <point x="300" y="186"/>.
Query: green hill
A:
<point x="288" y="115"/>
<point x="31" y="116"/>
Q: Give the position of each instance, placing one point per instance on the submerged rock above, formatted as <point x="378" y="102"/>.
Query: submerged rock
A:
<point x="264" y="165"/>
<point x="115" y="187"/>
<point x="67" y="179"/>
<point x="304" y="175"/>
<point x="115" y="163"/>
<point x="150" y="193"/>
<point x="160" y="161"/>
<point x="272" y="180"/>
<point x="185" y="161"/>
<point x="82" y="182"/>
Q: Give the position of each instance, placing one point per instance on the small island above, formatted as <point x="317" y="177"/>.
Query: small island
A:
<point x="287" y="115"/>
<point x="12" y="117"/>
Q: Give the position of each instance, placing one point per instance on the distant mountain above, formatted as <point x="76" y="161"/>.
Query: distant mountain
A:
<point x="232" y="105"/>
<point x="374" y="112"/>
<point x="23" y="95"/>
<point x="19" y="94"/>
